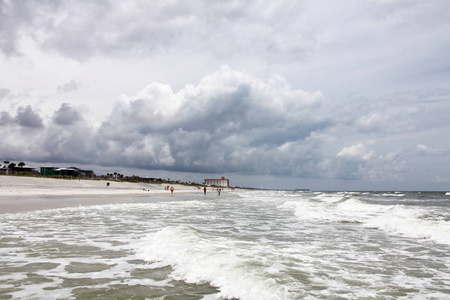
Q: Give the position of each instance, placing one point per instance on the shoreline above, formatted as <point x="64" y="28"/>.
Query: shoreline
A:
<point x="22" y="194"/>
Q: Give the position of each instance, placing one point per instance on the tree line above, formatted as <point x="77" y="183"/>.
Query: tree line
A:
<point x="12" y="165"/>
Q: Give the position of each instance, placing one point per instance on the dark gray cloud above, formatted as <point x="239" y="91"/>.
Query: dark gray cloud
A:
<point x="72" y="144"/>
<point x="27" y="117"/>
<point x="66" y="115"/>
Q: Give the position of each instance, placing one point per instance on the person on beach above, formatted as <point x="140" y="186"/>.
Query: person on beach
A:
<point x="218" y="191"/>
<point x="204" y="190"/>
<point x="171" y="189"/>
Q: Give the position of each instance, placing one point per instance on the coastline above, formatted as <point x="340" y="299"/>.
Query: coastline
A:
<point x="19" y="194"/>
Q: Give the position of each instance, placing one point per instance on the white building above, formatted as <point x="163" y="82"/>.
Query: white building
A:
<point x="223" y="182"/>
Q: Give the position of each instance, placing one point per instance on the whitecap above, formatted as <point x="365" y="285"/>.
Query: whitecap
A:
<point x="234" y="267"/>
<point x="412" y="222"/>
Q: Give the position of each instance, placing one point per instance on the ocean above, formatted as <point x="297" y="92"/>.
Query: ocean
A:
<point x="239" y="245"/>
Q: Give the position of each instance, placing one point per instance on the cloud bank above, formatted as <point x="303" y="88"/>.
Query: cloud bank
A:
<point x="231" y="122"/>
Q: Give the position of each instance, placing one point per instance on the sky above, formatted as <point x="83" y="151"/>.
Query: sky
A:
<point x="287" y="94"/>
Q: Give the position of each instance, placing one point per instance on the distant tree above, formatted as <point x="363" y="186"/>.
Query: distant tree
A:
<point x="21" y="164"/>
<point x="11" y="166"/>
<point x="6" y="162"/>
<point x="115" y="174"/>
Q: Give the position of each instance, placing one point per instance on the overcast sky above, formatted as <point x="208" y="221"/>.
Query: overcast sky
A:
<point x="348" y="95"/>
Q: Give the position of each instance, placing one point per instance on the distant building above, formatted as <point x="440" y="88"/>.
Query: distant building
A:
<point x="14" y="169"/>
<point x="223" y="182"/>
<point x="4" y="169"/>
<point x="66" y="172"/>
<point x="48" y="171"/>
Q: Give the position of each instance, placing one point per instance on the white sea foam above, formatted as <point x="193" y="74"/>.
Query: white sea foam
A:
<point x="269" y="245"/>
<point x="412" y="223"/>
<point x="333" y="209"/>
<point x="408" y="221"/>
<point x="396" y="194"/>
<point x="330" y="198"/>
<point x="196" y="258"/>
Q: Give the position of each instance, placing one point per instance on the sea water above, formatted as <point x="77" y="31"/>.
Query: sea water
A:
<point x="239" y="245"/>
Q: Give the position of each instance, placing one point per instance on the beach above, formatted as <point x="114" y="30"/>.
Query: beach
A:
<point x="20" y="193"/>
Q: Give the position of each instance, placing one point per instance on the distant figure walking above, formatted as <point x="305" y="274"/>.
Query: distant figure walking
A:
<point x="218" y="191"/>
<point x="171" y="190"/>
<point x="204" y="190"/>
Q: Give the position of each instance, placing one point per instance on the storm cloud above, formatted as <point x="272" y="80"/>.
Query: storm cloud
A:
<point x="236" y="123"/>
<point x="66" y="115"/>
<point x="214" y="125"/>
<point x="27" y="117"/>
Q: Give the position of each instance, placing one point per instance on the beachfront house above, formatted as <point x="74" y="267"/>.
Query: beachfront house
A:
<point x="223" y="182"/>
<point x="12" y="168"/>
<point x="4" y="170"/>
<point x="67" y="172"/>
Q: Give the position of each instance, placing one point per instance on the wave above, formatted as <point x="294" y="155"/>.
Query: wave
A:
<point x="414" y="222"/>
<point x="232" y="266"/>
<point x="331" y="198"/>
<point x="334" y="208"/>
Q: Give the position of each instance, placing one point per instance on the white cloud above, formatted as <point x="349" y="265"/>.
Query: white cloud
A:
<point x="426" y="150"/>
<point x="372" y="122"/>
<point x="149" y="151"/>
<point x="358" y="152"/>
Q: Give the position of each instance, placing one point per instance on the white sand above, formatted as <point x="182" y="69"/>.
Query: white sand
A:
<point x="34" y="186"/>
<point x="19" y="193"/>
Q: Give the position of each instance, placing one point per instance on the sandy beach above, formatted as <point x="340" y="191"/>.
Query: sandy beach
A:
<point x="31" y="193"/>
